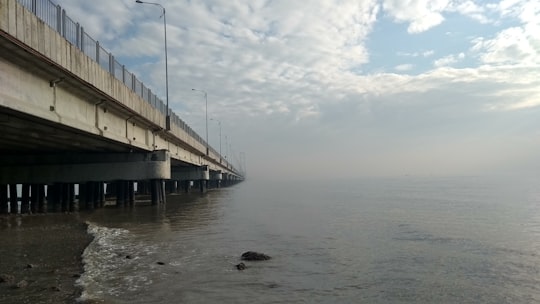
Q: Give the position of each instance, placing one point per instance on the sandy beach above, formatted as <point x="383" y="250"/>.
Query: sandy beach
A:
<point x="40" y="257"/>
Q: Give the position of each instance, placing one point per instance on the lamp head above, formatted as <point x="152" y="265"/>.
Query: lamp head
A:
<point x="139" y="1"/>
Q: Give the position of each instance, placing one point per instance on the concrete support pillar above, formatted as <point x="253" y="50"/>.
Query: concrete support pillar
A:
<point x="89" y="199"/>
<point x="120" y="193"/>
<point x="203" y="185"/>
<point x="34" y="198"/>
<point x="163" y="193"/>
<point x="13" y="198"/>
<point x="168" y="187"/>
<point x="25" y="199"/>
<point x="186" y="185"/>
<point x="154" y="194"/>
<point x="131" y="193"/>
<point x="143" y="187"/>
<point x="140" y="187"/>
<point x="42" y="203"/>
<point x="111" y="188"/>
<point x="65" y="197"/>
<point x="70" y="195"/>
<point x="82" y="196"/>
<point x="4" y="199"/>
<point x="101" y="194"/>
<point x="54" y="197"/>
<point x="157" y="191"/>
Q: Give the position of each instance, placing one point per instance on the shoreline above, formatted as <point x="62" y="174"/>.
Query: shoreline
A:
<point x="41" y="257"/>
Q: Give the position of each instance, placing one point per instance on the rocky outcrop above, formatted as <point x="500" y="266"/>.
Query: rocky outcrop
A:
<point x="240" y="266"/>
<point x="254" y="256"/>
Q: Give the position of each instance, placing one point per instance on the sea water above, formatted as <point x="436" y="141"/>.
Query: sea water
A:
<point x="372" y="240"/>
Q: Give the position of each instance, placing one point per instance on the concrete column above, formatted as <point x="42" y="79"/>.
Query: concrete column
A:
<point x="34" y="198"/>
<point x="4" y="199"/>
<point x="131" y="193"/>
<point x="154" y="194"/>
<point x="203" y="185"/>
<point x="82" y="196"/>
<point x="111" y="188"/>
<point x="163" y="193"/>
<point x="120" y="193"/>
<point x="89" y="196"/>
<point x="25" y="198"/>
<point x="71" y="197"/>
<point x="65" y="197"/>
<point x="13" y="204"/>
<point x="186" y="185"/>
<point x="54" y="197"/>
<point x="97" y="194"/>
<point x="142" y="187"/>
<point x="168" y="187"/>
<point x="51" y="199"/>
<point x="42" y="204"/>
<point x="101" y="193"/>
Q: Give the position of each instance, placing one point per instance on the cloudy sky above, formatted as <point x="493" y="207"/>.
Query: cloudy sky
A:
<point x="342" y="88"/>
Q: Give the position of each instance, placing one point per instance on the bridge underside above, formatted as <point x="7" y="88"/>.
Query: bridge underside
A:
<point x="70" y="130"/>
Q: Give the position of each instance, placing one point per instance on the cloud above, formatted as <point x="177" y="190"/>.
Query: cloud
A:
<point x="427" y="53"/>
<point x="403" y="67"/>
<point x="448" y="60"/>
<point x="472" y="10"/>
<point x="420" y="14"/>
<point x="514" y="45"/>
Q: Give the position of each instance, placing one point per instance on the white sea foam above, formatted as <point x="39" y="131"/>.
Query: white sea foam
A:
<point x="110" y="263"/>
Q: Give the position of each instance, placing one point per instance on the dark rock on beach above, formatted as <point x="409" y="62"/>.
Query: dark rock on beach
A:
<point x="6" y="278"/>
<point x="21" y="284"/>
<point x="254" y="256"/>
<point x="240" y="266"/>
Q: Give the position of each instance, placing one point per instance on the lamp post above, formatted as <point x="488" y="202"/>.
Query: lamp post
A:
<point x="167" y="116"/>
<point x="226" y="147"/>
<point x="206" y="100"/>
<point x="219" y="123"/>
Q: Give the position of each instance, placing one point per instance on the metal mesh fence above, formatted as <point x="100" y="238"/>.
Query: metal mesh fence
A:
<point x="71" y="31"/>
<point x="104" y="59"/>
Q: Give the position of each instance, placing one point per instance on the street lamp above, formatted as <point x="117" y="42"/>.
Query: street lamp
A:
<point x="226" y="147"/>
<point x="206" y="100"/>
<point x="167" y="117"/>
<point x="219" y="122"/>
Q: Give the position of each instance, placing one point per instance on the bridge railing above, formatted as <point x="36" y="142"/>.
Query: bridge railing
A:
<point x="56" y="18"/>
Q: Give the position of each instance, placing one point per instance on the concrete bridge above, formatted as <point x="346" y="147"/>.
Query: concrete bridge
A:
<point x="76" y="125"/>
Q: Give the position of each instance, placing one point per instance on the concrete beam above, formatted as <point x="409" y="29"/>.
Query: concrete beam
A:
<point x="190" y="173"/>
<point x="77" y="168"/>
<point x="216" y="175"/>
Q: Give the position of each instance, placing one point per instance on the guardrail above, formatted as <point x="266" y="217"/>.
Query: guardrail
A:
<point x="55" y="17"/>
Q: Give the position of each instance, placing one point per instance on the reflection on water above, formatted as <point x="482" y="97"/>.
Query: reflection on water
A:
<point x="403" y="240"/>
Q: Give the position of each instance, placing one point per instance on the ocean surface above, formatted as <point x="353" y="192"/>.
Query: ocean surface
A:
<point x="383" y="240"/>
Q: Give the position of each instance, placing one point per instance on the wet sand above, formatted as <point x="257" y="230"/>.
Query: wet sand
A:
<point x="41" y="254"/>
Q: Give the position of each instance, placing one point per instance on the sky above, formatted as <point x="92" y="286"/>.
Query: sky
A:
<point x="317" y="89"/>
